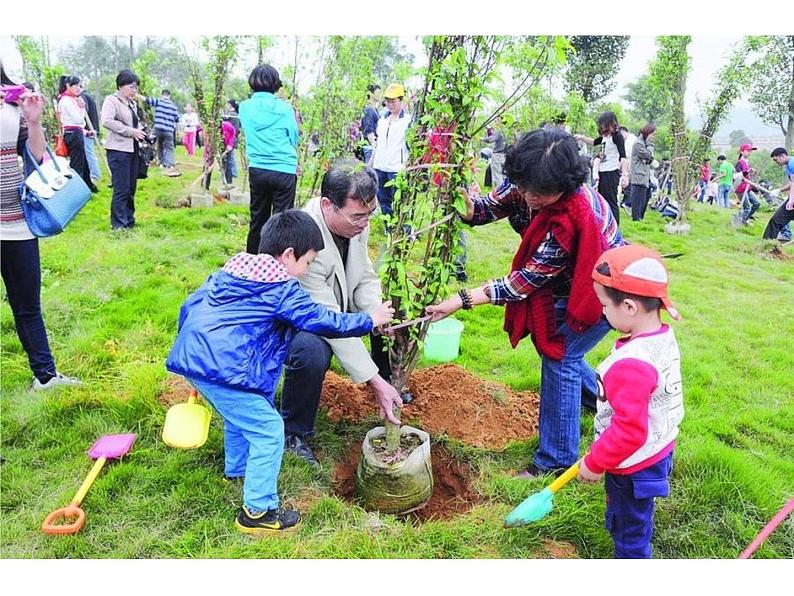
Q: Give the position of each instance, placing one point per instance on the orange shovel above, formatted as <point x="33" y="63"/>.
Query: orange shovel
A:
<point x="70" y="519"/>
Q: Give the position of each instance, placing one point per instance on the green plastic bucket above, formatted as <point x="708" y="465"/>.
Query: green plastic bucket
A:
<point x="443" y="340"/>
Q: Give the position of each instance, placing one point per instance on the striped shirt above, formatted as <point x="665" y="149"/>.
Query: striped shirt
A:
<point x="551" y="264"/>
<point x="13" y="136"/>
<point x="165" y="113"/>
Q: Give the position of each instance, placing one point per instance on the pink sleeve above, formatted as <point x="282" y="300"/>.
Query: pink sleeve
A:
<point x="228" y="132"/>
<point x="628" y="385"/>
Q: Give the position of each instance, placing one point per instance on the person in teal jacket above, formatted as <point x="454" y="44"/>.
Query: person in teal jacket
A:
<point x="271" y="143"/>
<point x="234" y="332"/>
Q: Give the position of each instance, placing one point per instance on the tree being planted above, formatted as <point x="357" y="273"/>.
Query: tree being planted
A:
<point x="423" y="239"/>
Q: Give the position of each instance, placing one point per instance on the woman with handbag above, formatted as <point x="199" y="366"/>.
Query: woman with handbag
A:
<point x="72" y="117"/>
<point x="120" y="117"/>
<point x="20" y="125"/>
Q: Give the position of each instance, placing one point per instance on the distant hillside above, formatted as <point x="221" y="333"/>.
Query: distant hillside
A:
<point x="743" y="118"/>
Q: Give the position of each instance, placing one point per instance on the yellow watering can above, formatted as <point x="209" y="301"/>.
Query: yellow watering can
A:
<point x="187" y="425"/>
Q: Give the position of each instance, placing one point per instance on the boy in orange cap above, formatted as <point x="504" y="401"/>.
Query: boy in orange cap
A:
<point x="640" y="402"/>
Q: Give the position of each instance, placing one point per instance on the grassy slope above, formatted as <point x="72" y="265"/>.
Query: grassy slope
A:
<point x="111" y="302"/>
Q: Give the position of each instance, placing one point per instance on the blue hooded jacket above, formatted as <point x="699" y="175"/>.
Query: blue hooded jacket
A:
<point x="235" y="332"/>
<point x="271" y="133"/>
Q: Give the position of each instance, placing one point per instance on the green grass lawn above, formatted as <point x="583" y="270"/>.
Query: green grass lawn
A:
<point x="110" y="302"/>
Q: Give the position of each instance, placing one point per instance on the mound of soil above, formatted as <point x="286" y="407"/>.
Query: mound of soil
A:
<point x="177" y="391"/>
<point x="778" y="253"/>
<point x="452" y="491"/>
<point x="448" y="400"/>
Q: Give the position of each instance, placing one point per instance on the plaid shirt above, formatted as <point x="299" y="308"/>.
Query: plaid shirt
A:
<point x="550" y="265"/>
<point x="260" y="267"/>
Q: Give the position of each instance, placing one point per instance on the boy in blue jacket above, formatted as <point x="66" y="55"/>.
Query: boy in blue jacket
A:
<point x="233" y="336"/>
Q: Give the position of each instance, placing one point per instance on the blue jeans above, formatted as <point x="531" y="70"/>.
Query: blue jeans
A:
<point x="253" y="441"/>
<point x="723" y="196"/>
<point x="562" y="386"/>
<point x="630" y="505"/>
<point x="93" y="162"/>
<point x="385" y="194"/>
<point x="165" y="147"/>
<point x="750" y="205"/>
<point x="21" y="272"/>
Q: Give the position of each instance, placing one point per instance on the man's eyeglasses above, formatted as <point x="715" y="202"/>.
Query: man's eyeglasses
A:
<point x="357" y="220"/>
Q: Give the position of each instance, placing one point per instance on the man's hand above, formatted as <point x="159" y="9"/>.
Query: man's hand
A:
<point x="387" y="397"/>
<point x="383" y="314"/>
<point x="585" y="475"/>
<point x="443" y="309"/>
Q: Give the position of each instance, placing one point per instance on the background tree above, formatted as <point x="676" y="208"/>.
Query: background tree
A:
<point x="668" y="74"/>
<point x="223" y="54"/>
<point x="737" y="137"/>
<point x="772" y="84"/>
<point x="593" y="63"/>
<point x="645" y="101"/>
<point x="731" y="80"/>
<point x="44" y="76"/>
<point x="337" y="99"/>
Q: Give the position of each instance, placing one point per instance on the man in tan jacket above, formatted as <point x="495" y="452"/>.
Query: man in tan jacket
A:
<point x="342" y="278"/>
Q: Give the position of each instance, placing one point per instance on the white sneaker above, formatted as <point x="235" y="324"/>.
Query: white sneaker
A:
<point x="56" y="381"/>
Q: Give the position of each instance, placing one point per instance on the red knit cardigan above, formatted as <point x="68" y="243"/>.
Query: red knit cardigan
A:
<point x="572" y="222"/>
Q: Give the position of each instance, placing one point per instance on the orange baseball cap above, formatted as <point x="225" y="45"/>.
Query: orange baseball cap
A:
<point x="636" y="270"/>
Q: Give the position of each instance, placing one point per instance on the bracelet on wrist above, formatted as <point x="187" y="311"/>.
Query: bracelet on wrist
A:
<point x="465" y="299"/>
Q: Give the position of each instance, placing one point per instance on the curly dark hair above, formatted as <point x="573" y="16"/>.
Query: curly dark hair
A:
<point x="545" y="162"/>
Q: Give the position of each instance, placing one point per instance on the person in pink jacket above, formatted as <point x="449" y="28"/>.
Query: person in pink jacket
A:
<point x="640" y="400"/>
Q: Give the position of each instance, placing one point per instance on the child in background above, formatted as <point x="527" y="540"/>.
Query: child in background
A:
<point x="229" y="134"/>
<point x="711" y="190"/>
<point x="640" y="402"/>
<point x="233" y="336"/>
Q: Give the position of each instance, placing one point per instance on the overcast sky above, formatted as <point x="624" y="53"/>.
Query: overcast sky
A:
<point x="708" y="53"/>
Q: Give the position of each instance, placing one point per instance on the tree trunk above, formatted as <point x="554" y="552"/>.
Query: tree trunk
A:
<point x="399" y="378"/>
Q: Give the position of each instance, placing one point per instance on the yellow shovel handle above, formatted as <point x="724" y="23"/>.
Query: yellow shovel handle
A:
<point x="89" y="480"/>
<point x="565" y="477"/>
<point x="70" y="519"/>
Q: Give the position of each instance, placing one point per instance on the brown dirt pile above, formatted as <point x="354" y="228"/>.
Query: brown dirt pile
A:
<point x="448" y="400"/>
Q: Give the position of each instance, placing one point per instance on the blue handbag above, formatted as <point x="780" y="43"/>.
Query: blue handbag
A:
<point x="52" y="195"/>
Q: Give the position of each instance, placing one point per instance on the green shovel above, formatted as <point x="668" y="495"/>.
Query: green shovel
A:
<point x="538" y="505"/>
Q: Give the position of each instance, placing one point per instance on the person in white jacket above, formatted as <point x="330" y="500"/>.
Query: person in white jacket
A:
<point x="391" y="152"/>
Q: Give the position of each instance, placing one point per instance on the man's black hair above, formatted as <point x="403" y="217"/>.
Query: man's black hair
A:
<point x="165" y="92"/>
<point x="292" y="228"/>
<point x="546" y="162"/>
<point x="649" y="303"/>
<point x="778" y="151"/>
<point x="721" y="158"/>
<point x="126" y="77"/>
<point x="264" y="78"/>
<point x="349" y="178"/>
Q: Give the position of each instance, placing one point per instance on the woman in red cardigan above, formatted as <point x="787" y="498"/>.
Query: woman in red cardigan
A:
<point x="565" y="226"/>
